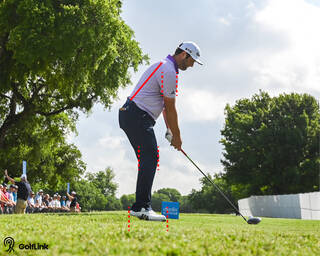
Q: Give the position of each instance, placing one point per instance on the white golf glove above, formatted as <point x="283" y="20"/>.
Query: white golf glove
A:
<point x="169" y="135"/>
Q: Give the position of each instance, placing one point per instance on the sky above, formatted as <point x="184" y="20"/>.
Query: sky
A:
<point x="246" y="45"/>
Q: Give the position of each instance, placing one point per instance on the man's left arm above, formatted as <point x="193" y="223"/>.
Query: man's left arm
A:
<point x="165" y="117"/>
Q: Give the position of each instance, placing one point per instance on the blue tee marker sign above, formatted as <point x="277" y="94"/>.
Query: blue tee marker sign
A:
<point x="24" y="167"/>
<point x="172" y="208"/>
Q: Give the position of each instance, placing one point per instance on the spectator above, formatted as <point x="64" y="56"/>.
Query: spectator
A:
<point x="13" y="197"/>
<point x="64" y="205"/>
<point x="73" y="200"/>
<point x="38" y="201"/>
<point x="78" y="208"/>
<point x="50" y="206"/>
<point x="56" y="203"/>
<point x="7" y="204"/>
<point x="38" y="198"/>
<point x="68" y="202"/>
<point x="45" y="203"/>
<point x="24" y="190"/>
<point x="31" y="208"/>
<point x="59" y="203"/>
<point x="2" y="200"/>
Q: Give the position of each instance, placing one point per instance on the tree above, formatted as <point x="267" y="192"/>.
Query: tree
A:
<point x="209" y="199"/>
<point x="164" y="194"/>
<point x="172" y="193"/>
<point x="97" y="191"/>
<point x="103" y="181"/>
<point x="59" y="57"/>
<point x="127" y="201"/>
<point x="113" y="204"/>
<point x="89" y="196"/>
<point x="50" y="160"/>
<point x="272" y="144"/>
<point x="185" y="204"/>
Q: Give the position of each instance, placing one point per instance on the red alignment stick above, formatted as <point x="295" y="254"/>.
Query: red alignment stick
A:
<point x="154" y="71"/>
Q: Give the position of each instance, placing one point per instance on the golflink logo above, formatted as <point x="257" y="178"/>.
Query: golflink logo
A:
<point x="9" y="242"/>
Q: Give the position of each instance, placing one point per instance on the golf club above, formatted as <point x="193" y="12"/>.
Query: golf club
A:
<point x="250" y="220"/>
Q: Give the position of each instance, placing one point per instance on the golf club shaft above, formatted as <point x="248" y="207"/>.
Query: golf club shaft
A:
<point x="215" y="185"/>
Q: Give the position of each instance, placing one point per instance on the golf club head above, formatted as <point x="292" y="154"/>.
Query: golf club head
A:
<point x="253" y="220"/>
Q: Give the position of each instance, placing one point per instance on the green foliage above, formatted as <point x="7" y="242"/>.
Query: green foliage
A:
<point x="103" y="181"/>
<point x="50" y="160"/>
<point x="89" y="196"/>
<point x="57" y="58"/>
<point x="164" y="194"/>
<point x="127" y="201"/>
<point x="185" y="204"/>
<point x="157" y="199"/>
<point x="97" y="191"/>
<point x="272" y="144"/>
<point x="113" y="203"/>
<point x="173" y="194"/>
<point x="209" y="199"/>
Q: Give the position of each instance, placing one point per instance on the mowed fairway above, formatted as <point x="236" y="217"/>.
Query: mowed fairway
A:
<point x="106" y="233"/>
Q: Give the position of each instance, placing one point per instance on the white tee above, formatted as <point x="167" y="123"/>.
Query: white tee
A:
<point x="31" y="200"/>
<point x="56" y="203"/>
<point x="38" y="199"/>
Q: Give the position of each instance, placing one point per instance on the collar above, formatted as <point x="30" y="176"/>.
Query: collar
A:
<point x="174" y="63"/>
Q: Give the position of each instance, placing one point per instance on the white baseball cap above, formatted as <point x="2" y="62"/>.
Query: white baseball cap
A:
<point x="192" y="49"/>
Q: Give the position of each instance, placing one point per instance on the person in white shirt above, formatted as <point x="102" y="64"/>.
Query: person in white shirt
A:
<point x="50" y="205"/>
<point x="68" y="204"/>
<point x="38" y="201"/>
<point x="30" y="203"/>
<point x="56" y="203"/>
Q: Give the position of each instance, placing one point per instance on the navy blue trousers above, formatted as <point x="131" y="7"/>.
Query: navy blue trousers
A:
<point x="138" y="126"/>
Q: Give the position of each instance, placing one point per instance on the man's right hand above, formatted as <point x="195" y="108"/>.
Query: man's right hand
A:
<point x="5" y="172"/>
<point x="176" y="142"/>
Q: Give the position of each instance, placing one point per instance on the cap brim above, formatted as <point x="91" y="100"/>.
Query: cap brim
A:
<point x="199" y="61"/>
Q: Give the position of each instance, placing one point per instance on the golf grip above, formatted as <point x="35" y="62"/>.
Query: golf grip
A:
<point x="215" y="185"/>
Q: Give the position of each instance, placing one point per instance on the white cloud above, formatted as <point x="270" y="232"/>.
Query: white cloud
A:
<point x="297" y="66"/>
<point x="201" y="105"/>
<point x="226" y="20"/>
<point x="111" y="142"/>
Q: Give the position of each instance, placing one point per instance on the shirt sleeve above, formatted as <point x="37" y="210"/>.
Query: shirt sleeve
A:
<point x="167" y="81"/>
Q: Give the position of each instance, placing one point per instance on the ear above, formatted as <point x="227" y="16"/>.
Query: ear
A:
<point x="184" y="55"/>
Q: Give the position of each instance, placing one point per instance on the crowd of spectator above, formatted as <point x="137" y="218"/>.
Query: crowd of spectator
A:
<point x="19" y="198"/>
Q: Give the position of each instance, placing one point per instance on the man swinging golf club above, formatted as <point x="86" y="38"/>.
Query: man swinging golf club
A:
<point x="154" y="94"/>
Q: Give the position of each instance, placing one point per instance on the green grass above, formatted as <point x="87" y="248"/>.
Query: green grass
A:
<point x="106" y="233"/>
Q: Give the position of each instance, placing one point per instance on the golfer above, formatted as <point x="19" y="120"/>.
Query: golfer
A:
<point x="154" y="94"/>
